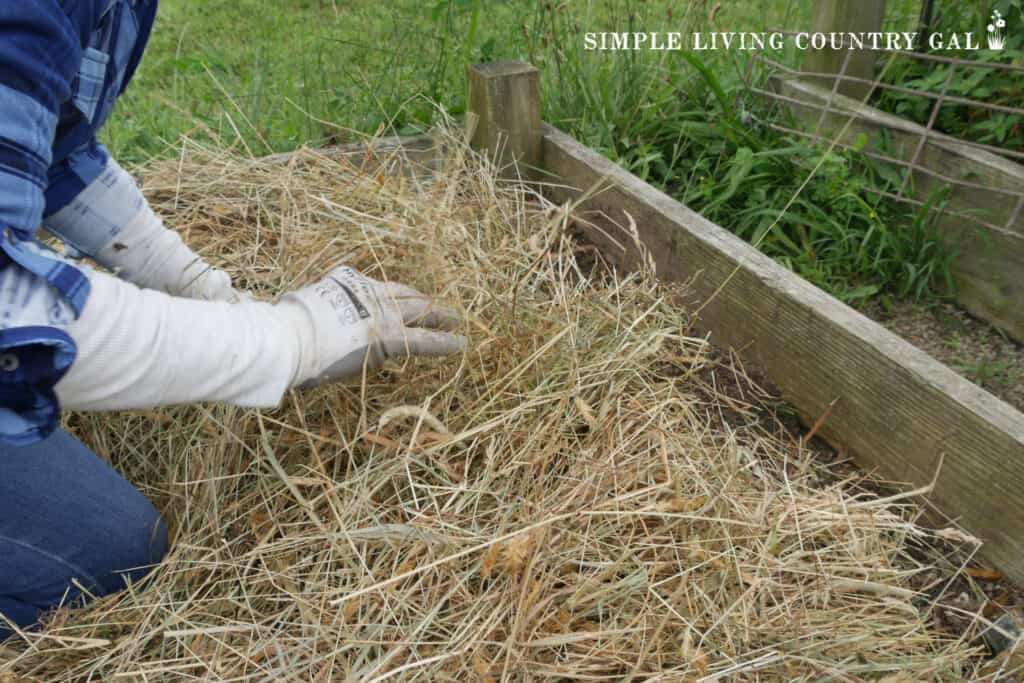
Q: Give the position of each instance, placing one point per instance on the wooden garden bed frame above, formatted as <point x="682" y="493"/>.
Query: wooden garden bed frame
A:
<point x="988" y="264"/>
<point x="870" y="393"/>
<point x="891" y="406"/>
<point x="982" y="216"/>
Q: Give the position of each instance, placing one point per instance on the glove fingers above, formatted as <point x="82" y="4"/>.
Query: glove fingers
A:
<point x="429" y="314"/>
<point x="212" y="284"/>
<point x="420" y="310"/>
<point x="420" y="342"/>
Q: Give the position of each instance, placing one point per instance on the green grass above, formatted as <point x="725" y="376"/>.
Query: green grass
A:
<point x="272" y="76"/>
<point x="275" y="71"/>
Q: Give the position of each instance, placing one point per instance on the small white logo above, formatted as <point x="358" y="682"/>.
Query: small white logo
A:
<point x="996" y="34"/>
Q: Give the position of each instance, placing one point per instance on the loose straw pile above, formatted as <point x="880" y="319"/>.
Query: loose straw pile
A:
<point x="575" y="498"/>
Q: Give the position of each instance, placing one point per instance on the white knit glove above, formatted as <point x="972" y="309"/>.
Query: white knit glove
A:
<point x="139" y="348"/>
<point x="349" y="320"/>
<point x="112" y="222"/>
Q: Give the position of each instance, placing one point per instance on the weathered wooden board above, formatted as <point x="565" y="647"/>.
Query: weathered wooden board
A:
<point x="411" y="155"/>
<point x="989" y="266"/>
<point x="505" y="96"/>
<point x="897" y="410"/>
<point x="844" y="17"/>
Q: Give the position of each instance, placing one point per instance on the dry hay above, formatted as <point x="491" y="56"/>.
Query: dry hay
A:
<point x="570" y="499"/>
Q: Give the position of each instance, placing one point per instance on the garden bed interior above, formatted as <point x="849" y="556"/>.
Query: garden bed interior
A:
<point x="592" y="490"/>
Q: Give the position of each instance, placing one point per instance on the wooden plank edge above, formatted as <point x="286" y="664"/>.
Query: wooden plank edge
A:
<point x="987" y="263"/>
<point x="423" y="150"/>
<point x="898" y="410"/>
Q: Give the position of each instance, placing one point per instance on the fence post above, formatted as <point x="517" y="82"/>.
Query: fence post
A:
<point x="844" y="16"/>
<point x="505" y="97"/>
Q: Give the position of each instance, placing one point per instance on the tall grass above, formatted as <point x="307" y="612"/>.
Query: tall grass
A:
<point x="687" y="123"/>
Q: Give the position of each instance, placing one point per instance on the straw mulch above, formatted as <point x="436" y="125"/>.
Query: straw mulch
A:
<point x="571" y="499"/>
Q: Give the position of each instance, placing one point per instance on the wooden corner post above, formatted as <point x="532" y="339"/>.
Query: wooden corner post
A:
<point x="505" y="97"/>
<point x="842" y="18"/>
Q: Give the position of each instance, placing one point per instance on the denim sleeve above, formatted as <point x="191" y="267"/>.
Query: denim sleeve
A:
<point x="39" y="55"/>
<point x="40" y="52"/>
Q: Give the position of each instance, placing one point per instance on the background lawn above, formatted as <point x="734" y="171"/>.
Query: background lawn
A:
<point x="275" y="70"/>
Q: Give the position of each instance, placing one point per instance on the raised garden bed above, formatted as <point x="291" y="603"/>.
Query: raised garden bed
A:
<point x="593" y="491"/>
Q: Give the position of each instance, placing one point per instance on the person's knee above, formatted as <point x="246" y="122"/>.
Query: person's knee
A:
<point x="67" y="519"/>
<point x="123" y="548"/>
<point x="138" y="541"/>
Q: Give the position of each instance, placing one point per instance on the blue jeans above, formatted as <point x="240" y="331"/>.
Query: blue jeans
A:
<point x="66" y="514"/>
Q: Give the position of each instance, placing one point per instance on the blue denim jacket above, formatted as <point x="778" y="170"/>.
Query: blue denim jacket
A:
<point x="63" y="63"/>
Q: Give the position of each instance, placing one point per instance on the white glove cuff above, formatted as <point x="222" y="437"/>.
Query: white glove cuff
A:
<point x="111" y="221"/>
<point x="95" y="218"/>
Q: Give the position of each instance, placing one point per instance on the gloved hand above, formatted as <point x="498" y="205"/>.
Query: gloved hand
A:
<point x="112" y="222"/>
<point x="139" y="348"/>
<point x="349" y="320"/>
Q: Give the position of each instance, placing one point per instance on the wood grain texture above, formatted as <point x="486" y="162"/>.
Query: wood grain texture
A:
<point x="505" y="98"/>
<point x="410" y="154"/>
<point x="844" y="16"/>
<point x="896" y="409"/>
<point x="989" y="266"/>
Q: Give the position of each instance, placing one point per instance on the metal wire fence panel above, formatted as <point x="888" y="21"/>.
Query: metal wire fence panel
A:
<point x="940" y="97"/>
<point x="835" y="106"/>
<point x="981" y="213"/>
